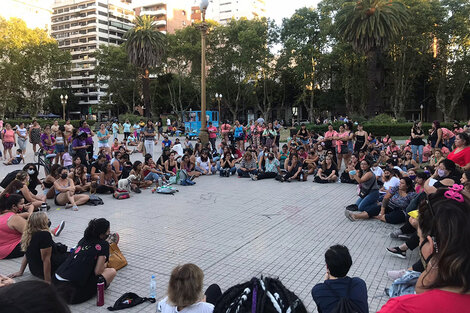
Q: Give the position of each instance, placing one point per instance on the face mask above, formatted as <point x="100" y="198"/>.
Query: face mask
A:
<point x="63" y="176"/>
<point x="387" y="176"/>
<point x="271" y="158"/>
<point x="31" y="172"/>
<point x="412" y="177"/>
<point x="426" y="171"/>
<point x="441" y="173"/>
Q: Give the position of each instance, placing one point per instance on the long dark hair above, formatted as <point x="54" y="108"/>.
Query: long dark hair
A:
<point x="446" y="221"/>
<point x="7" y="201"/>
<point x="96" y="228"/>
<point x="409" y="184"/>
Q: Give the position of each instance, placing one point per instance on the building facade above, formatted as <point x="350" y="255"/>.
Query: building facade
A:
<point x="36" y="13"/>
<point x="169" y="15"/>
<point x="80" y="27"/>
<point x="222" y="11"/>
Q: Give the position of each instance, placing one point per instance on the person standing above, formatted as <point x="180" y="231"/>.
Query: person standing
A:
<point x="22" y="134"/>
<point x="8" y="139"/>
<point x="417" y="143"/>
<point x="277" y="127"/>
<point x="149" y="137"/>
<point x="68" y="130"/>
<point x="168" y="123"/>
<point x="212" y="135"/>
<point x="115" y="128"/>
<point x="54" y="127"/>
<point x="127" y="129"/>
<point x="85" y="128"/>
<point x="35" y="134"/>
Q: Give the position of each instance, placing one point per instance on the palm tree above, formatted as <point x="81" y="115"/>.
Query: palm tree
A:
<point x="145" y="47"/>
<point x="370" y="25"/>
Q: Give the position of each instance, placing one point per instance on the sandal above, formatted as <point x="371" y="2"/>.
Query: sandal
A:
<point x="396" y="251"/>
<point x="75" y="208"/>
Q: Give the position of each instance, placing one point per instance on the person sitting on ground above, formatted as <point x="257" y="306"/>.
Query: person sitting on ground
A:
<point x="171" y="165"/>
<point x="17" y="159"/>
<point x="79" y="177"/>
<point x="42" y="254"/>
<point x="382" y="159"/>
<point x="461" y="154"/>
<point x="151" y="171"/>
<point x="445" y="175"/>
<point x="409" y="163"/>
<point x="162" y="159"/>
<point x="166" y="143"/>
<point x="131" y="140"/>
<point x="436" y="158"/>
<point x="353" y="165"/>
<point x="65" y="192"/>
<point x="368" y="190"/>
<point x="29" y="197"/>
<point x="12" y="224"/>
<point x="227" y="164"/>
<point x="247" y="165"/>
<point x="96" y="167"/>
<point x="393" y="206"/>
<point x="188" y="165"/>
<point x="283" y="155"/>
<point x="185" y="292"/>
<point x="328" y="173"/>
<point x="263" y="294"/>
<point x="389" y="179"/>
<point x="203" y="164"/>
<point x="338" y="285"/>
<point x="108" y="180"/>
<point x="50" y="179"/>
<point x="115" y="146"/>
<point x="116" y="163"/>
<point x="31" y="296"/>
<point x="271" y="168"/>
<point x="443" y="231"/>
<point x="293" y="167"/>
<point x="77" y="277"/>
<point x="140" y="180"/>
<point x="310" y="163"/>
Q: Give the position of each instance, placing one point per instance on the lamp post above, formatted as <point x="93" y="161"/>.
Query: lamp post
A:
<point x="421" y="107"/>
<point x="63" y="100"/>
<point x="203" y="134"/>
<point x="218" y="97"/>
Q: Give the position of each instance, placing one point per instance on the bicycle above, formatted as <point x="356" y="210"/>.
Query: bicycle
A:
<point x="44" y="160"/>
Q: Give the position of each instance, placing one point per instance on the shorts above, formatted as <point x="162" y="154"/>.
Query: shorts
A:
<point x="59" y="148"/>
<point x="22" y="144"/>
<point x="103" y="145"/>
<point x="15" y="161"/>
<point x="304" y="142"/>
<point x="8" y="145"/>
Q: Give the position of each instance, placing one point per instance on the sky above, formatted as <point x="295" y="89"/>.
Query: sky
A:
<point x="279" y="9"/>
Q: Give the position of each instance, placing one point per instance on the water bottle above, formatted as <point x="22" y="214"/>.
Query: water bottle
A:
<point x="44" y="207"/>
<point x="153" y="287"/>
<point x="100" y="291"/>
<point x="160" y="182"/>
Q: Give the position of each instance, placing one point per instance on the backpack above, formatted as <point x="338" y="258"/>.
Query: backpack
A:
<point x="71" y="151"/>
<point x="187" y="182"/>
<point x="167" y="190"/>
<point x="128" y="300"/>
<point x="121" y="194"/>
<point x="181" y="176"/>
<point x="345" y="304"/>
<point x="95" y="200"/>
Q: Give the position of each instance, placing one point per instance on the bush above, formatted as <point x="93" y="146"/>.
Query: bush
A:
<point x="131" y="117"/>
<point x="44" y="122"/>
<point x="392" y="129"/>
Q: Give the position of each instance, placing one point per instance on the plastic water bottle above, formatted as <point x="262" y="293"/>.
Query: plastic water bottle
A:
<point x="153" y="287"/>
<point x="44" y="207"/>
<point x="100" y="291"/>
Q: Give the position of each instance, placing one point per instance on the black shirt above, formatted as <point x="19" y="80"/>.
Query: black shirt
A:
<point x="328" y="171"/>
<point x="326" y="300"/>
<point x="417" y="141"/>
<point x="80" y="265"/>
<point x="97" y="167"/>
<point x="39" y="240"/>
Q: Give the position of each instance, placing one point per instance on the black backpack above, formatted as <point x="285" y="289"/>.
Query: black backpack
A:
<point x="345" y="304"/>
<point x="128" y="300"/>
<point x="95" y="200"/>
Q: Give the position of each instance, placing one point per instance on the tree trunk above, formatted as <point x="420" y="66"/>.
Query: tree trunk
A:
<point x="146" y="93"/>
<point x="373" y="83"/>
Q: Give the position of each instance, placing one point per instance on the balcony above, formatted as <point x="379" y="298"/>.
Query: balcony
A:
<point x="153" y="13"/>
<point x="147" y="3"/>
<point x="160" y="23"/>
<point x="82" y="51"/>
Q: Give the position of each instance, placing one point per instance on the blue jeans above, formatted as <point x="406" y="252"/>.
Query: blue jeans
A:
<point x="152" y="176"/>
<point x="419" y="149"/>
<point x="369" y="202"/>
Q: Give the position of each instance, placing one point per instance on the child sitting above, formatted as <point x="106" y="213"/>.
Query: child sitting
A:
<point x="17" y="159"/>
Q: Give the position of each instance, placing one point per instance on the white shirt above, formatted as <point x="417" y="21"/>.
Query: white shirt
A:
<point x="178" y="149"/>
<point x="168" y="122"/>
<point x="199" y="307"/>
<point x="393" y="182"/>
<point x="203" y="165"/>
<point x="378" y="172"/>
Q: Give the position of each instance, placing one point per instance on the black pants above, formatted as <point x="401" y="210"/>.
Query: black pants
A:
<point x="397" y="216"/>
<point x="89" y="151"/>
<point x="322" y="181"/>
<point x="346" y="179"/>
<point x="16" y="253"/>
<point x="265" y="175"/>
<point x="213" y="293"/>
<point x="103" y="189"/>
<point x="246" y="174"/>
<point x="126" y="134"/>
<point x="212" y="141"/>
<point x="74" y="293"/>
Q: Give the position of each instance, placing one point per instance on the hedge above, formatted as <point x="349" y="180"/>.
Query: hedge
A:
<point x="44" y="122"/>
<point x="395" y="129"/>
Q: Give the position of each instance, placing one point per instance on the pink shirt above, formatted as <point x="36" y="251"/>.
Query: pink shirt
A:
<point x="329" y="134"/>
<point x="9" y="238"/>
<point x="342" y="135"/>
<point x="212" y="132"/>
<point x="8" y="135"/>
<point x="225" y="128"/>
<point x="447" y="134"/>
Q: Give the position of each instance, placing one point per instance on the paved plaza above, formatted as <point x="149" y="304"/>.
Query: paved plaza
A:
<point x="234" y="229"/>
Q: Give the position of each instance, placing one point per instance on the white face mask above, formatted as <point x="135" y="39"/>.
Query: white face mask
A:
<point x="31" y="172"/>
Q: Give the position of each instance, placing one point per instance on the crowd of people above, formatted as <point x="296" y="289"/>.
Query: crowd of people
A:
<point x="422" y="184"/>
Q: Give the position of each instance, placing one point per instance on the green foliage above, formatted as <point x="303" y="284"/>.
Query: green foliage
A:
<point x="44" y="122"/>
<point x="131" y="117"/>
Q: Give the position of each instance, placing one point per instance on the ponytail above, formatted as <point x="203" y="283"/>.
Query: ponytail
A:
<point x="96" y="228"/>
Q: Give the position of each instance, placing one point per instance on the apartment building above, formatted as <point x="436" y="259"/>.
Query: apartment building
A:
<point x="81" y="26"/>
<point x="222" y="11"/>
<point x="169" y="15"/>
<point x="36" y="13"/>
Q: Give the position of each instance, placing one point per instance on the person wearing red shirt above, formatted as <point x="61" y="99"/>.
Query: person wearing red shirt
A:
<point x="212" y="135"/>
<point x="461" y="154"/>
<point x="444" y="233"/>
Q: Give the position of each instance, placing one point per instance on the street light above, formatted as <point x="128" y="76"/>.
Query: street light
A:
<point x="421" y="107"/>
<point x="63" y="100"/>
<point x="203" y="134"/>
<point x="218" y="97"/>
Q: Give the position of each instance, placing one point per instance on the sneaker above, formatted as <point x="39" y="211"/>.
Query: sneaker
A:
<point x="254" y="177"/>
<point x="349" y="215"/>
<point x="396" y="274"/>
<point x="352" y="207"/>
<point x="396" y="233"/>
<point x="58" y="229"/>
<point x="75" y="208"/>
<point x="387" y="292"/>
<point x="404" y="237"/>
<point x="396" y="251"/>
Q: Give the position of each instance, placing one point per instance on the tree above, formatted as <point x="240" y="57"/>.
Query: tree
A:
<point x="145" y="47"/>
<point x="369" y="26"/>
<point x="30" y="61"/>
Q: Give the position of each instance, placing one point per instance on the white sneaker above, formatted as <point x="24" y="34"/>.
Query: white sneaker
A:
<point x="396" y="274"/>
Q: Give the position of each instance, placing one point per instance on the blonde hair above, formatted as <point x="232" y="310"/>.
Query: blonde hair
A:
<point x="185" y="286"/>
<point x="37" y="221"/>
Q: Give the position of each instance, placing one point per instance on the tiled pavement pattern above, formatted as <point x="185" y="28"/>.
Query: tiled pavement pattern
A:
<point x="233" y="229"/>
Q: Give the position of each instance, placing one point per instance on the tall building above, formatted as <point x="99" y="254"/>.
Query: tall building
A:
<point x="222" y="11"/>
<point x="169" y="15"/>
<point x="81" y="26"/>
<point x="36" y="13"/>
